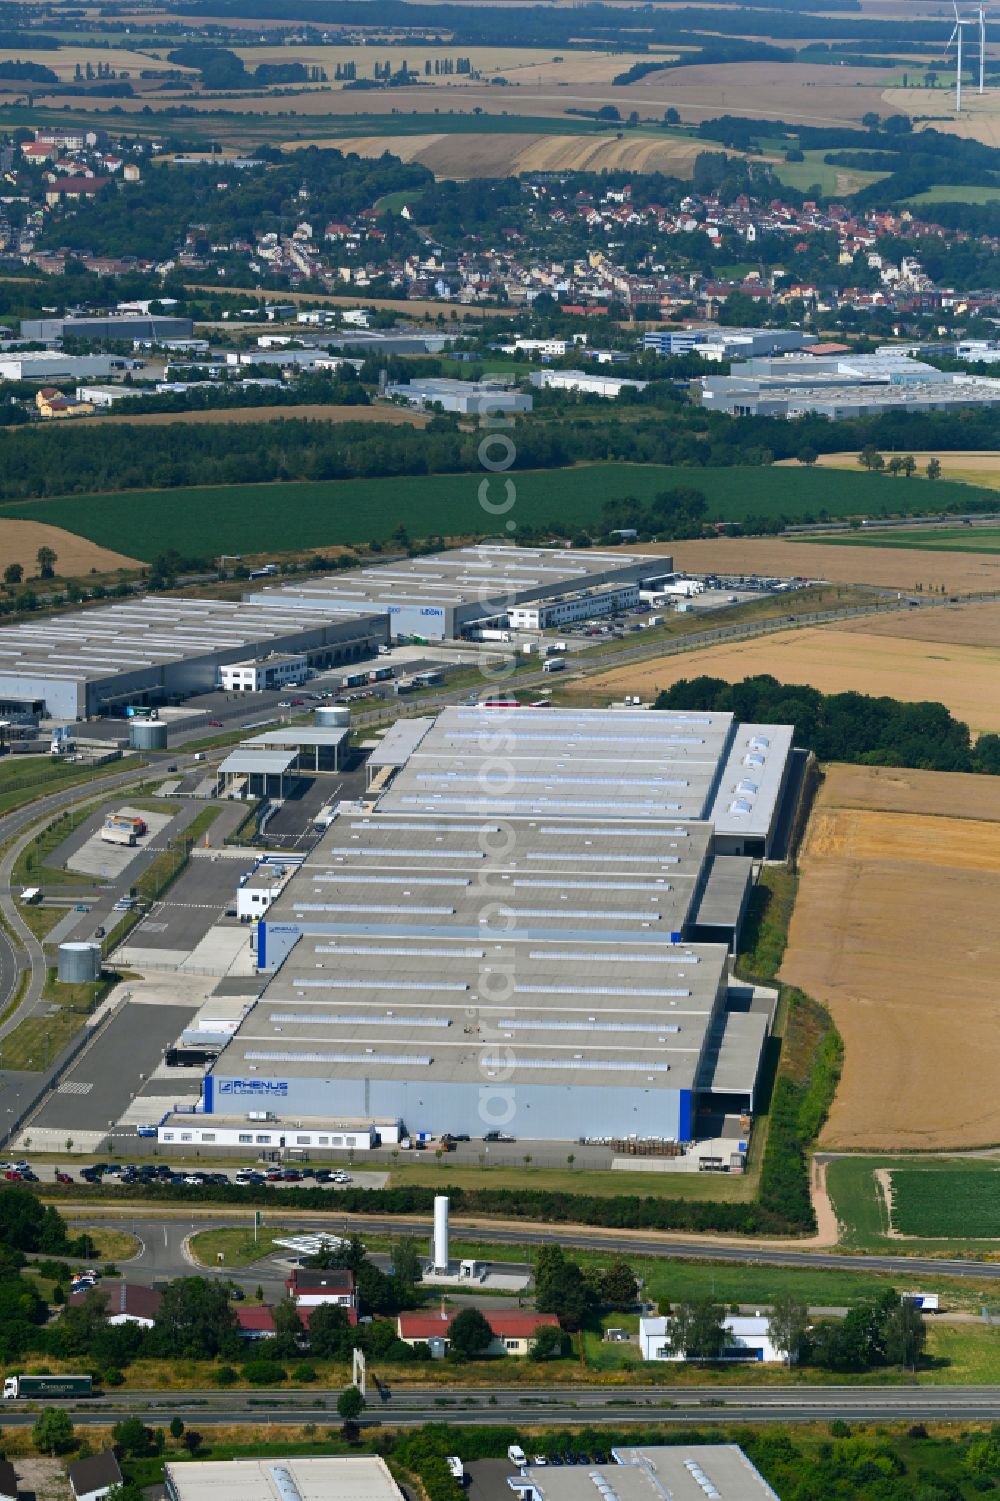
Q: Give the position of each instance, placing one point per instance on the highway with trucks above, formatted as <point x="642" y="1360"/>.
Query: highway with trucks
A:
<point x="536" y="1407"/>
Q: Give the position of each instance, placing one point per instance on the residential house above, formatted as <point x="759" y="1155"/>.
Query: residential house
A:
<point x="92" y="1478"/>
<point x="52" y="403"/>
<point x="127" y="1303"/>
<point x="514" y="1333"/>
<point x="254" y="1322"/>
<point x="257" y="1321"/>
<point x="310" y="1288"/>
<point x="74" y="188"/>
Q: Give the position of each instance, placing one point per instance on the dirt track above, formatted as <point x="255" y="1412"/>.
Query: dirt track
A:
<point x="894" y="929"/>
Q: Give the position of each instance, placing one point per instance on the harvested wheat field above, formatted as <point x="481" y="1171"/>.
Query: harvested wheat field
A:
<point x="960" y="625"/>
<point x="894" y="929"/>
<point x="411" y="308"/>
<point x="890" y="567"/>
<point x="498" y="155"/>
<point x="978" y="466"/>
<point x="315" y="413"/>
<point x="531" y="65"/>
<point x="20" y="541"/>
<point x="965" y="678"/>
<point x="64" y="61"/>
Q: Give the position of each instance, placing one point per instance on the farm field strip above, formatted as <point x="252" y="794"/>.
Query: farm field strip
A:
<point x="836" y="659"/>
<point x="310" y="514"/>
<point x="879" y="890"/>
<point x="950" y="1201"/>
<point x="891" y="568"/>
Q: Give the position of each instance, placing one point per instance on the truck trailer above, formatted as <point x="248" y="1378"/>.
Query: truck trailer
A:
<point x="47" y="1386"/>
<point x="116" y="833"/>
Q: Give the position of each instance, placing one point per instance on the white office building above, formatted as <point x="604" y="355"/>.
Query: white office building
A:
<point x="747" y="1338"/>
<point x="586" y="605"/>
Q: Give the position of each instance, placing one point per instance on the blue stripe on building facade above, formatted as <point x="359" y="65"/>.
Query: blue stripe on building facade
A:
<point x="209" y="1095"/>
<point x="684" y="1116"/>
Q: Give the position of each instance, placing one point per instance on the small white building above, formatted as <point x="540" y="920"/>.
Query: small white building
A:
<point x="255" y="677"/>
<point x="588" y="382"/>
<point x="747" y="1338"/>
<point x="262" y="886"/>
<point x="104" y="397"/>
<point x="263" y="1130"/>
<point x="469" y="397"/>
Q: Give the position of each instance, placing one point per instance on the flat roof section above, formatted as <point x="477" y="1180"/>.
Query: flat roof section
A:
<point x="363" y="1477"/>
<point x="399" y="742"/>
<point x="310" y="735"/>
<point x="634" y="764"/>
<point x="724" y="893"/>
<point x="686" y="1468"/>
<point x="446" y="873"/>
<point x="150" y="632"/>
<point x="732" y="1059"/>
<point x="475" y="581"/>
<point x="752" y="780"/>
<point x="245" y="762"/>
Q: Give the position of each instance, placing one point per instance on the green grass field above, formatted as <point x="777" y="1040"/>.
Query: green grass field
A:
<point x="954" y="1200"/>
<point x="841" y="180"/>
<point x="22" y="780"/>
<point x="216" y="519"/>
<point x="944" y="192"/>
<point x="925" y="539"/>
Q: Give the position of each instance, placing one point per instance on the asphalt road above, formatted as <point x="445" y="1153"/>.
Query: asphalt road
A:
<point x="170" y="1229"/>
<point x="574" y="1406"/>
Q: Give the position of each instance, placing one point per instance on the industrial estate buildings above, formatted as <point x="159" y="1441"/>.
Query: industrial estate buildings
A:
<point x="682" y="1472"/>
<point x="525" y="925"/>
<point x="158" y="650"/>
<point x="446" y="595"/>
<point x="840" y="386"/>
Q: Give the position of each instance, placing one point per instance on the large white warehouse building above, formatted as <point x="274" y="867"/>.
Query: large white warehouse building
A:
<point x="513" y="936"/>
<point x="446" y="595"/>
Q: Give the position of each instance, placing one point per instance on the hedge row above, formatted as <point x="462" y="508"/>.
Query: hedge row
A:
<point x="799" y="1107"/>
<point x="625" y="1211"/>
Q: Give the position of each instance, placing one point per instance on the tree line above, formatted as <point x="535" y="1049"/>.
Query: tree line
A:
<point x="852" y="727"/>
<point x="48" y="461"/>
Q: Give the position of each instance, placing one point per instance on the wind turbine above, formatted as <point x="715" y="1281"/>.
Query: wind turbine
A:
<point x="982" y="46"/>
<point x="956" y="37"/>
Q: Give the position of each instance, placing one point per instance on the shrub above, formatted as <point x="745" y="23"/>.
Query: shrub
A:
<point x="264" y="1372"/>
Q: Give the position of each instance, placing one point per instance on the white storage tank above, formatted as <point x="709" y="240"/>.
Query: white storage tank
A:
<point x="79" y="963"/>
<point x="147" y="734"/>
<point x="333" y="716"/>
<point x="440" y="1232"/>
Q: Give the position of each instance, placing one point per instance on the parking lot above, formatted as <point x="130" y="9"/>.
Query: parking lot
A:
<point x="98" y="1088"/>
<point x="195" y="902"/>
